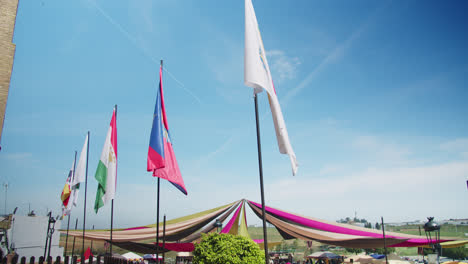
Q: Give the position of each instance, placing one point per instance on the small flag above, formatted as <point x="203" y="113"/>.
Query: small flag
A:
<point x="106" y="173"/>
<point x="67" y="193"/>
<point x="88" y="254"/>
<point x="257" y="75"/>
<point x="161" y="158"/>
<point x="80" y="172"/>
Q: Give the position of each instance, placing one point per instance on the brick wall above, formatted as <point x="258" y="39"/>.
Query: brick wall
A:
<point x="7" y="52"/>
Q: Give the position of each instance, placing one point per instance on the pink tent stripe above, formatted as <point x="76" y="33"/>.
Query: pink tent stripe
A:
<point x="136" y="228"/>
<point x="338" y="229"/>
<point x="228" y="227"/>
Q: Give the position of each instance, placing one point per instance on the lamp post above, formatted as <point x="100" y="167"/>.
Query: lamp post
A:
<point x="218" y="225"/>
<point x="50" y="231"/>
<point x="432" y="230"/>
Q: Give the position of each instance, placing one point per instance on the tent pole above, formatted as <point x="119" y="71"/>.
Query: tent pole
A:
<point x="260" y="168"/>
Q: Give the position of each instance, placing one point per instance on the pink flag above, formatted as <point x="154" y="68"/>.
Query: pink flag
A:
<point x="161" y="158"/>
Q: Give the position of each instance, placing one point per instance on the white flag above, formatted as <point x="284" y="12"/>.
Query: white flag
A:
<point x="257" y="75"/>
<point x="80" y="171"/>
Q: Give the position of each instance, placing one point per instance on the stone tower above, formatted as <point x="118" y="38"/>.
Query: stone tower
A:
<point x="7" y="52"/>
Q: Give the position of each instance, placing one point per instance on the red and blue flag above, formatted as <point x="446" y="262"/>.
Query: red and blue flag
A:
<point x="161" y="158"/>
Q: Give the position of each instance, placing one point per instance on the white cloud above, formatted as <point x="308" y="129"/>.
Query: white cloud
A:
<point x="282" y="67"/>
<point x="381" y="150"/>
<point x="401" y="193"/>
<point x="18" y="156"/>
<point x="336" y="54"/>
<point x="330" y="169"/>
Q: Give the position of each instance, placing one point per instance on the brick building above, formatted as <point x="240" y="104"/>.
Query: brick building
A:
<point x="7" y="52"/>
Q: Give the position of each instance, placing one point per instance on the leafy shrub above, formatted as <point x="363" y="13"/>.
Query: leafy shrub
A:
<point x="455" y="253"/>
<point x="225" y="248"/>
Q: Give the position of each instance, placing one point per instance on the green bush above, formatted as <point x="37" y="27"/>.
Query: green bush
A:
<point x="455" y="253"/>
<point x="225" y="248"/>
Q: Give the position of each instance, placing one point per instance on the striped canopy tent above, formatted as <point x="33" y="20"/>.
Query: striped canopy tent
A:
<point x="306" y="228"/>
<point x="182" y="231"/>
<point x="176" y="229"/>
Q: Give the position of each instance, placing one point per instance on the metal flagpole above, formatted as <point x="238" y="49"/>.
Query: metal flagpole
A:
<point x="112" y="203"/>
<point x="92" y="244"/>
<point x="260" y="169"/>
<point x="157" y="209"/>
<point x="384" y="241"/>
<point x="66" y="240"/>
<point x="69" y="213"/>
<point x="164" y="238"/>
<point x="157" y="222"/>
<point x="74" y="238"/>
<point x="86" y="190"/>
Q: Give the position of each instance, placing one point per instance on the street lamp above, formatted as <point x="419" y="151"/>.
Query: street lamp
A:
<point x="50" y="231"/>
<point x="432" y="230"/>
<point x="218" y="225"/>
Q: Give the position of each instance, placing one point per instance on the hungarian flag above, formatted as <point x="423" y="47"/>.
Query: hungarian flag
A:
<point x="257" y="75"/>
<point x="161" y="158"/>
<point x="106" y="173"/>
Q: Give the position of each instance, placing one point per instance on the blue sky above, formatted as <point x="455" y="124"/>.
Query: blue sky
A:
<point x="373" y="94"/>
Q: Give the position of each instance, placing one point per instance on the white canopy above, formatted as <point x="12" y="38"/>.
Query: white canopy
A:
<point x="132" y="256"/>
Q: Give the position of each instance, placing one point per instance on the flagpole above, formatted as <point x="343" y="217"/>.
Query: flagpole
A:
<point x="260" y="169"/>
<point x="157" y="209"/>
<point x="384" y="241"/>
<point x="86" y="190"/>
<point x="74" y="238"/>
<point x="92" y="243"/>
<point x="112" y="203"/>
<point x="164" y="238"/>
<point x="69" y="213"/>
<point x="157" y="221"/>
<point x="66" y="240"/>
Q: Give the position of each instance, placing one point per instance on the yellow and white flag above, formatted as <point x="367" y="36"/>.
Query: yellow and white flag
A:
<point x="257" y="75"/>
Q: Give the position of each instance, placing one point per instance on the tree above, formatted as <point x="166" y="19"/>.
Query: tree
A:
<point x="295" y="244"/>
<point x="354" y="250"/>
<point x="455" y="253"/>
<point x="225" y="248"/>
<point x="377" y="226"/>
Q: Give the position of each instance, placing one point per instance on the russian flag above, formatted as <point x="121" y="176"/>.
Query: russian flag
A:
<point x="161" y="158"/>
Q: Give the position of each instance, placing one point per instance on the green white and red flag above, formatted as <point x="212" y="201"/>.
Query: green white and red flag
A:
<point x="106" y="173"/>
